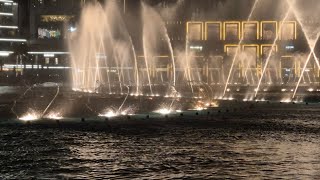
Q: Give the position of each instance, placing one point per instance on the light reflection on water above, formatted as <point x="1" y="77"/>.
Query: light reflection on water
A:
<point x="182" y="151"/>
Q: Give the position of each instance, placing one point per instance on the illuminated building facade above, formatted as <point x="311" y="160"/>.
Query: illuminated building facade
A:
<point x="217" y="36"/>
<point x="50" y="22"/>
<point x="210" y="30"/>
<point x="12" y="43"/>
<point x="252" y="39"/>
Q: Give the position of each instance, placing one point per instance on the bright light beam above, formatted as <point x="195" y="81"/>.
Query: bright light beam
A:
<point x="304" y="32"/>
<point x="304" y="69"/>
<point x="238" y="49"/>
<point x="269" y="55"/>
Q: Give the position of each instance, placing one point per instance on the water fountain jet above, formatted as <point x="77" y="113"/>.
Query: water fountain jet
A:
<point x="238" y="50"/>
<point x="303" y="70"/>
<point x="269" y="55"/>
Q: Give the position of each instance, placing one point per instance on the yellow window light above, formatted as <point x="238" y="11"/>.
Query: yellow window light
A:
<point x="231" y="23"/>
<point x="251" y="45"/>
<point x="268" y="45"/>
<point x="262" y="23"/>
<point x="230" y="46"/>
<point x="219" y="23"/>
<point x="283" y="23"/>
<point x="195" y="23"/>
<point x="256" y="23"/>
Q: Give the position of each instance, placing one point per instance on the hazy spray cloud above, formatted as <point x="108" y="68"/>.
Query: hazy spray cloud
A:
<point x="306" y="14"/>
<point x="170" y="12"/>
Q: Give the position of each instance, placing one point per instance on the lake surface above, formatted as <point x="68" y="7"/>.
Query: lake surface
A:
<point x="258" y="144"/>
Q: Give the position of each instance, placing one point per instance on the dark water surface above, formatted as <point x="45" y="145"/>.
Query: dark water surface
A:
<point x="261" y="144"/>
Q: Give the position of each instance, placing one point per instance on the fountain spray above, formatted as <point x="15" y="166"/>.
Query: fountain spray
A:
<point x="49" y="105"/>
<point x="15" y="102"/>
<point x="125" y="99"/>
<point x="136" y="66"/>
<point x="269" y="55"/>
<point x="238" y="49"/>
<point x="303" y="70"/>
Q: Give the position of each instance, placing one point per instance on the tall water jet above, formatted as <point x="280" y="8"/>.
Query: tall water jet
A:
<point x="118" y="35"/>
<point x="172" y="57"/>
<point x="238" y="49"/>
<point x="146" y="56"/>
<point x="309" y="32"/>
<point x="303" y="71"/>
<point x="153" y="28"/>
<point x="269" y="55"/>
<point x="103" y="54"/>
<point x="85" y="46"/>
<point x="169" y="13"/>
<point x="187" y="71"/>
<point x="136" y="71"/>
<point x="101" y="49"/>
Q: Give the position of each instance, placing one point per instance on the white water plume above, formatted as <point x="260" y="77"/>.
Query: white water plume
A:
<point x="153" y="28"/>
<point x="101" y="53"/>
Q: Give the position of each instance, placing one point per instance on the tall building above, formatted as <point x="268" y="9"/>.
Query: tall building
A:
<point x="12" y="45"/>
<point x="50" y="23"/>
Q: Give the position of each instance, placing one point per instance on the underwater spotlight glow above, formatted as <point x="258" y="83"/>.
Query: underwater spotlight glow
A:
<point x="286" y="100"/>
<point x="75" y="89"/>
<point x="164" y="111"/>
<point x="199" y="108"/>
<point x="260" y="100"/>
<point x="55" y="116"/>
<point x="108" y="114"/>
<point x="31" y="116"/>
<point x="123" y="113"/>
<point x="72" y="29"/>
<point x="310" y="89"/>
<point x="212" y="104"/>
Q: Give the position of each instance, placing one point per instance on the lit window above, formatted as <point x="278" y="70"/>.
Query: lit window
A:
<point x="47" y="60"/>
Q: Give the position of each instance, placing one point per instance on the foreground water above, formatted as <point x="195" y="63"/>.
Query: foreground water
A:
<point x="257" y="144"/>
